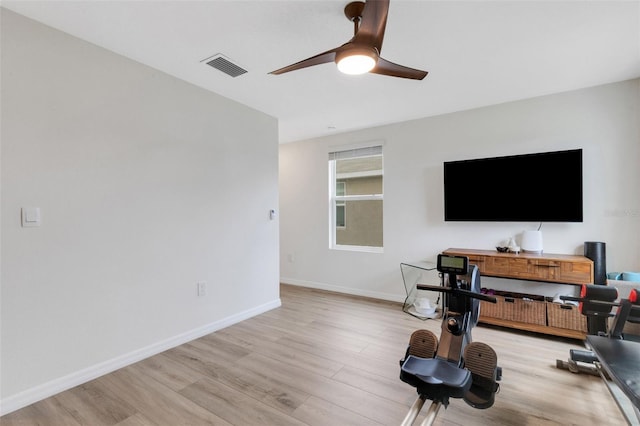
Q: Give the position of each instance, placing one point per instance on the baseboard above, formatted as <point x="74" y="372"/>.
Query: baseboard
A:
<point x="346" y="290"/>
<point x="45" y="390"/>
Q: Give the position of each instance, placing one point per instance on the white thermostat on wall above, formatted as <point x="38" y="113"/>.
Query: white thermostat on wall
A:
<point x="30" y="216"/>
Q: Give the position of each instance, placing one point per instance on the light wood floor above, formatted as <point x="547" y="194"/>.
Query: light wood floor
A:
<point x="322" y="359"/>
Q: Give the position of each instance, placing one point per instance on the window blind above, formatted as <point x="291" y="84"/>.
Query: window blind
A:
<point x="356" y="152"/>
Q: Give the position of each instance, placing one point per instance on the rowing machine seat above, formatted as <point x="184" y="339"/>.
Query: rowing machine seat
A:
<point x="435" y="378"/>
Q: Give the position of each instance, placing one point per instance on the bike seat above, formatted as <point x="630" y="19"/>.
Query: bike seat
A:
<point x="435" y="378"/>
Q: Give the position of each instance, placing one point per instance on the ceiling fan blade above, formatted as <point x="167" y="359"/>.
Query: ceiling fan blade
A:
<point x="373" y="23"/>
<point x="321" y="58"/>
<point x="385" y="67"/>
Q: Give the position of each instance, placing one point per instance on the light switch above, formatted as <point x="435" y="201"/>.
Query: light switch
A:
<point x="30" y="216"/>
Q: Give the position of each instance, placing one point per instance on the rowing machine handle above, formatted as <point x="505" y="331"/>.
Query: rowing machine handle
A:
<point x="467" y="293"/>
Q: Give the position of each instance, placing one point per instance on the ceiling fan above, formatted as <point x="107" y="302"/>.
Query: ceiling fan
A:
<point x="361" y="54"/>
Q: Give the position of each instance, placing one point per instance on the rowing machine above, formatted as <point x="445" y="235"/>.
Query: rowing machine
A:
<point x="455" y="366"/>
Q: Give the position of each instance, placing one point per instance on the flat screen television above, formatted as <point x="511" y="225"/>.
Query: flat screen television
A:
<point x="541" y="187"/>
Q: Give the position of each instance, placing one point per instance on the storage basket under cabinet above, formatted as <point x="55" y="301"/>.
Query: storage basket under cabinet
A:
<point x="492" y="310"/>
<point x="525" y="310"/>
<point x="566" y="316"/>
<point x="515" y="307"/>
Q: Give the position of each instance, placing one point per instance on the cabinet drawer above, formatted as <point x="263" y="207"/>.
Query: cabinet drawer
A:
<point x="520" y="268"/>
<point x="545" y="270"/>
<point x="497" y="265"/>
<point x="579" y="273"/>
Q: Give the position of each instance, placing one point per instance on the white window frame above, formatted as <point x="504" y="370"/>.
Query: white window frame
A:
<point x="333" y="198"/>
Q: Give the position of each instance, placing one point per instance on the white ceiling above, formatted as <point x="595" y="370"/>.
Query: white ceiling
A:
<point x="477" y="52"/>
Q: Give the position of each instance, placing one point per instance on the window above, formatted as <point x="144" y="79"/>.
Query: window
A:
<point x="355" y="195"/>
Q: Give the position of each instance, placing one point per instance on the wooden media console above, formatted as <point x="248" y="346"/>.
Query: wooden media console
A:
<point x="532" y="314"/>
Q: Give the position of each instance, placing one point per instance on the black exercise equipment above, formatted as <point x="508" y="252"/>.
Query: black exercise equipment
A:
<point x="455" y="366"/>
<point x="618" y="361"/>
<point x="597" y="303"/>
<point x="611" y="353"/>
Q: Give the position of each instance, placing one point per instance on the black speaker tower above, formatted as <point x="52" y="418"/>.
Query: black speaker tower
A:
<point x="596" y="251"/>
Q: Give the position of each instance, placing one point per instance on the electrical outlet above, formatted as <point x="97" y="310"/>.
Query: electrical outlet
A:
<point x="202" y="288"/>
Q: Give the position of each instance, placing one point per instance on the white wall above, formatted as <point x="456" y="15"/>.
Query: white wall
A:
<point x="146" y="185"/>
<point x="604" y="121"/>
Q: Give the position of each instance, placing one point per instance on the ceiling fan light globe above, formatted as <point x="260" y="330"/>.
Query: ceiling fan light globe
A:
<point x="356" y="61"/>
<point x="356" y="64"/>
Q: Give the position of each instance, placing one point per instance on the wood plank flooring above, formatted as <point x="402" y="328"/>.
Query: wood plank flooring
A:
<point x="322" y="359"/>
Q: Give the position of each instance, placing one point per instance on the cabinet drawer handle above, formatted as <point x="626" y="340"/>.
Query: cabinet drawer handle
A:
<point x="509" y="300"/>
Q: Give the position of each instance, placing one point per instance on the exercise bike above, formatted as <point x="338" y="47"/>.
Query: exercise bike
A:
<point x="455" y="366"/>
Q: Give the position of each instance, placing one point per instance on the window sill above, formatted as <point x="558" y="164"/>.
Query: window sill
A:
<point x="362" y="249"/>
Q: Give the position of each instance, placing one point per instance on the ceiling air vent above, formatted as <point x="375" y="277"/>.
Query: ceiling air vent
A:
<point x="223" y="64"/>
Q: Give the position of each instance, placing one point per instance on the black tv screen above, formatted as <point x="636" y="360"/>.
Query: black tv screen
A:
<point x="541" y="187"/>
